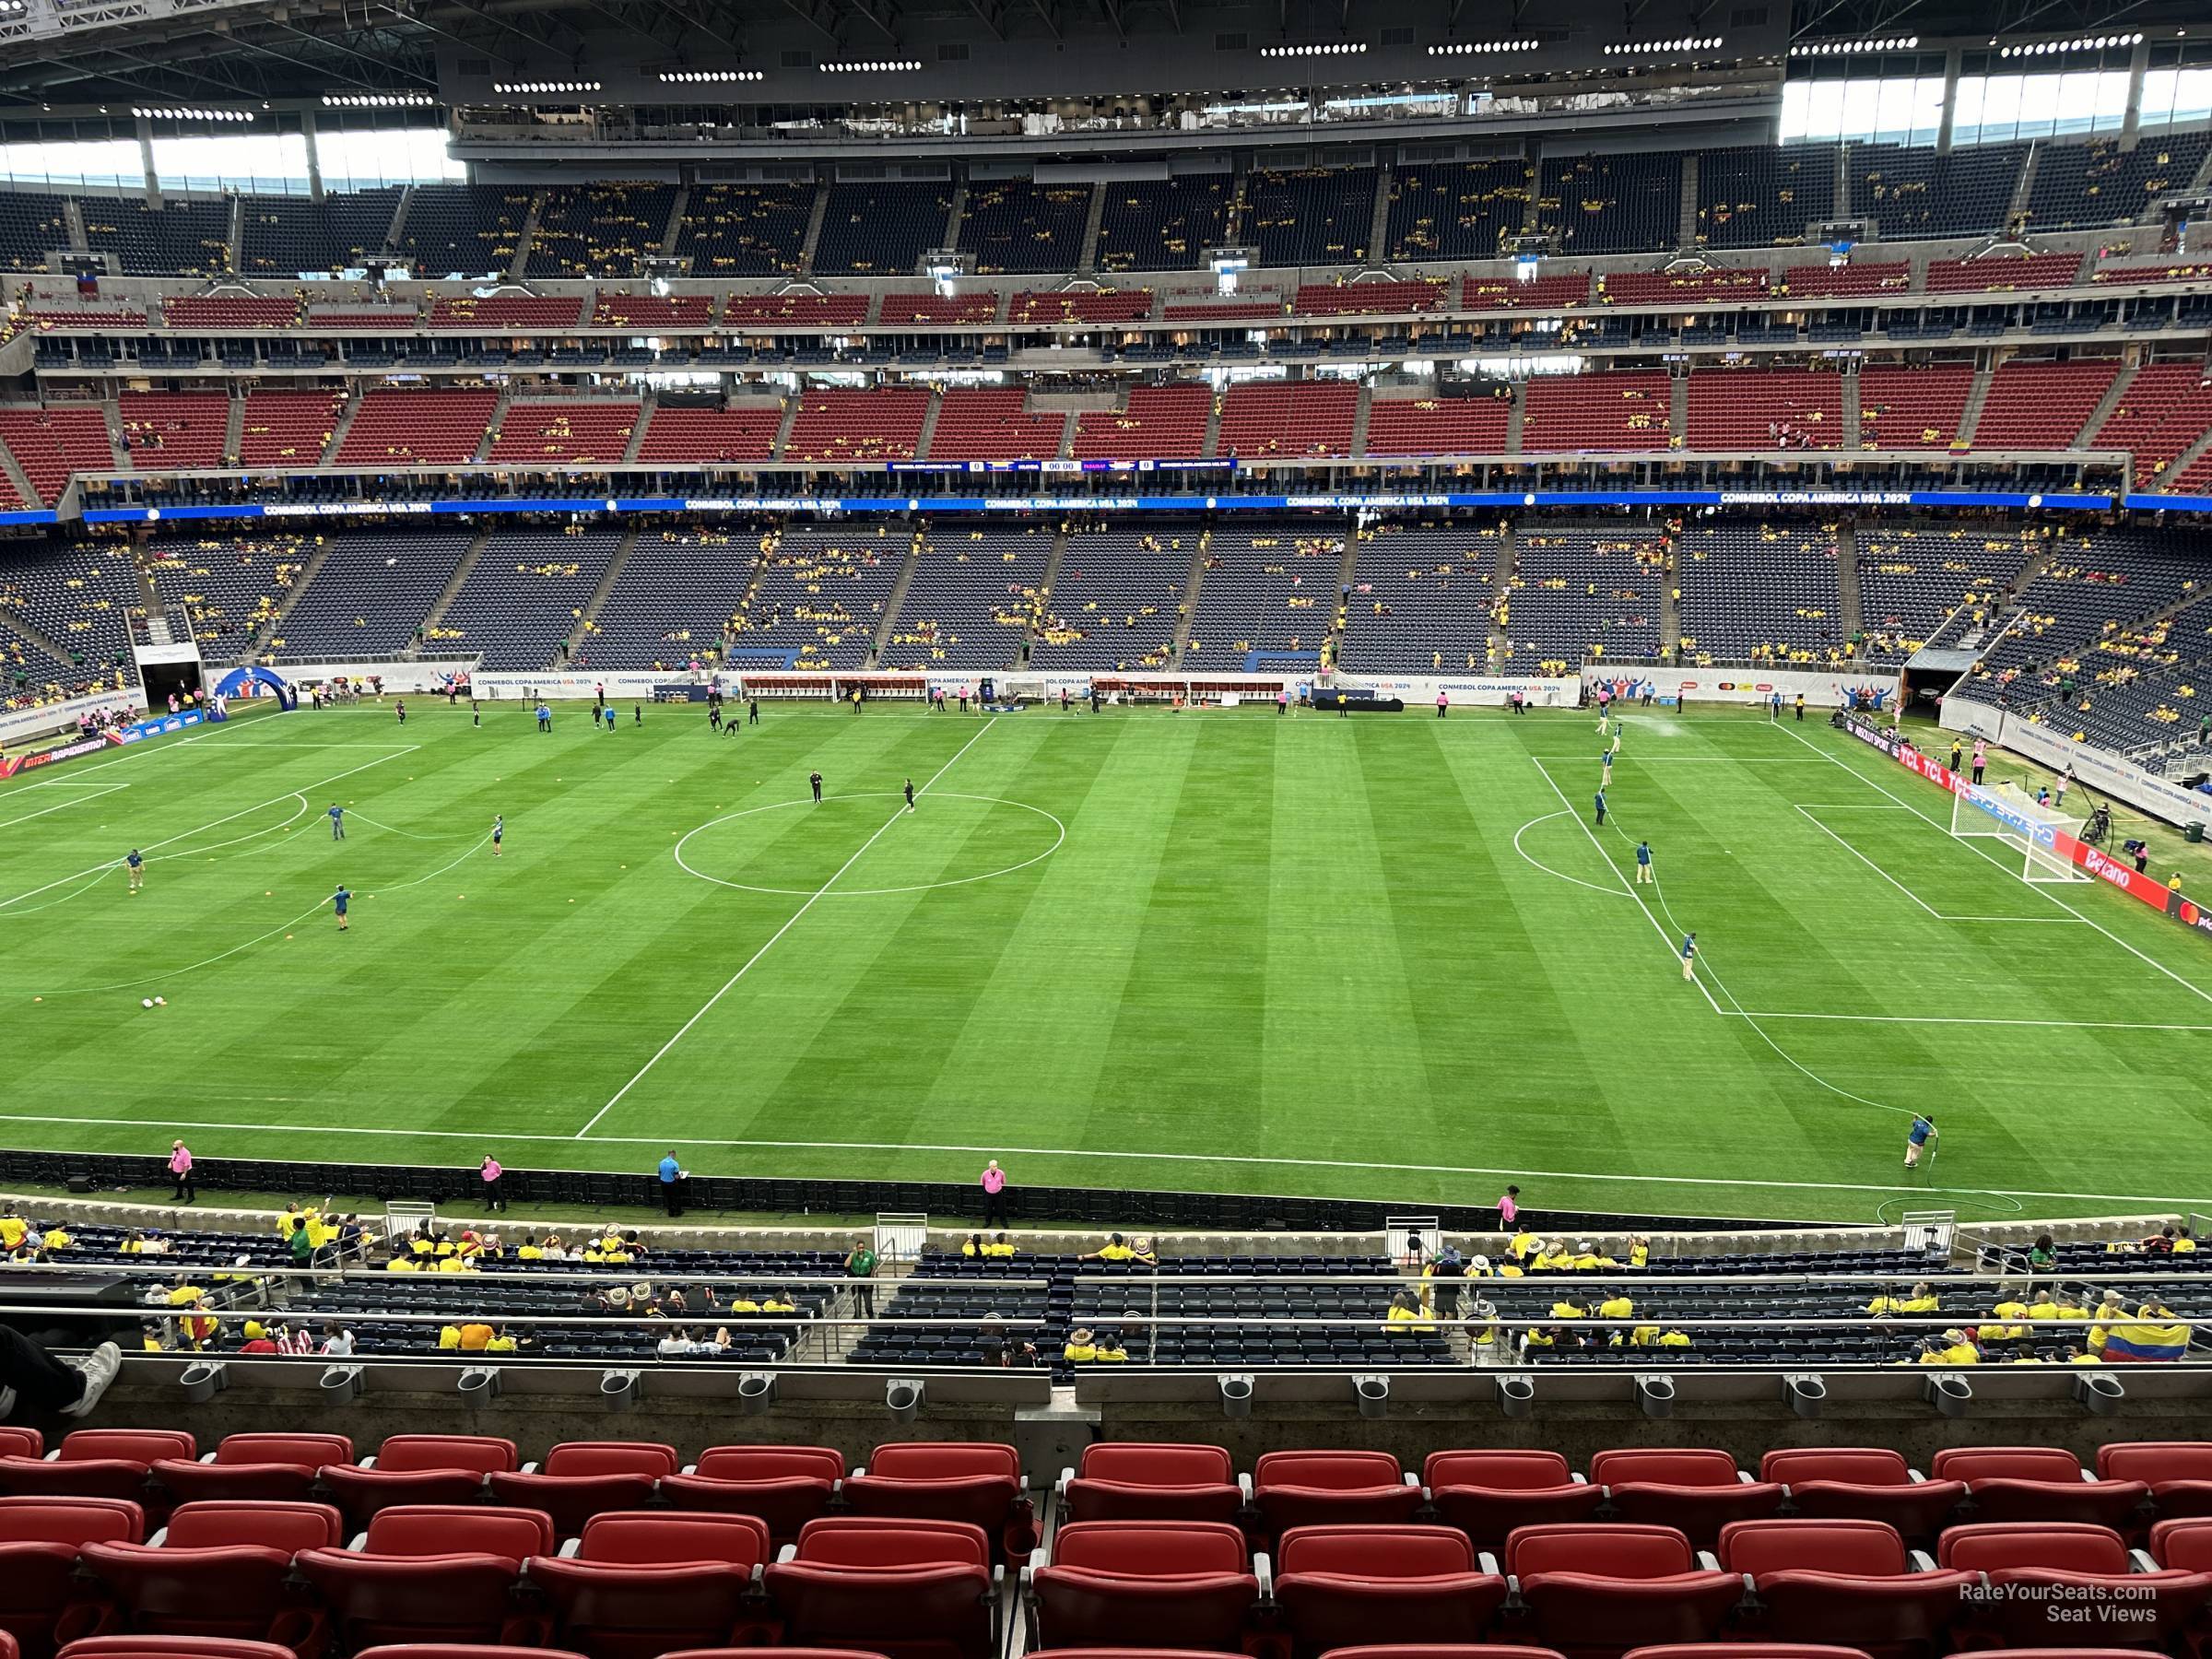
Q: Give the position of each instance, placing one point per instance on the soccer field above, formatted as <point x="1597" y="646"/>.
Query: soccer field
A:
<point x="1377" y="957"/>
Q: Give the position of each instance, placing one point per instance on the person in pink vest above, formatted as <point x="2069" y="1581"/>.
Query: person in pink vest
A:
<point x="995" y="1195"/>
<point x="1442" y="703"/>
<point x="179" y="1166"/>
<point x="489" y="1170"/>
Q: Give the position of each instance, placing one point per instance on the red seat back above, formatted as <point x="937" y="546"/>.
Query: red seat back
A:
<point x="610" y="1457"/>
<point x="409" y="1453"/>
<point x="904" y="1589"/>
<point x="222" y="1523"/>
<point x="1682" y="1466"/>
<point x="1851" y="1465"/>
<point x="1376" y="1552"/>
<point x="16" y="1440"/>
<point x="868" y="1541"/>
<point x="434" y="1529"/>
<point x="943" y="1460"/>
<point x="1330" y="1471"/>
<point x="1139" y="1464"/>
<point x="2186" y="1544"/>
<point x="1150" y="1549"/>
<point x="1634" y="1552"/>
<point x="1863" y="1548"/>
<point x="2006" y="1462"/>
<point x="1510" y="1471"/>
<point x="174" y="1647"/>
<point x="660" y="1538"/>
<point x="441" y="1649"/>
<point x="2155" y="1462"/>
<point x="771" y="1462"/>
<point x="71" y="1521"/>
<point x="2066" y="1547"/>
<point x="305" y="1450"/>
<point x="1754" y="1650"/>
<point x="141" y="1446"/>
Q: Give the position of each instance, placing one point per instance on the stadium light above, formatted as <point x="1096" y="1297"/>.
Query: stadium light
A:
<point x="1316" y="49"/>
<point x="1658" y="48"/>
<point x="378" y="100"/>
<point x="2080" y="44"/>
<point x="873" y="67"/>
<point x="1833" y="48"/>
<point x="1468" y="48"/>
<point x="167" y="115"/>
<point x="532" y="88"/>
<point x="694" y="77"/>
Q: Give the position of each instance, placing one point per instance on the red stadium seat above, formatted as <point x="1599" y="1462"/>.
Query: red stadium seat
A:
<point x="2178" y="1473"/>
<point x="19" y="1441"/>
<point x="1140" y="1482"/>
<point x="449" y="1650"/>
<point x="1745" y="1650"/>
<point x="904" y="1589"/>
<point x="1487" y="1494"/>
<point x="1430" y="1651"/>
<point x="43" y="1604"/>
<point x="1183" y="1583"/>
<point x="172" y="1647"/>
<point x="280" y="1468"/>
<point x="417" y="1469"/>
<point x="785" y="1485"/>
<point x="643" y="1581"/>
<point x="223" y="1568"/>
<point x="1863" y="1483"/>
<point x="2088" y="1565"/>
<point x="2185" y="1545"/>
<point x="1594" y="1591"/>
<point x="1336" y="1585"/>
<point x="582" y="1478"/>
<point x="97" y="1463"/>
<point x="788" y="1653"/>
<point x="2038" y="1483"/>
<point x="1323" y="1489"/>
<point x="975" y="1481"/>
<point x="432" y="1572"/>
<point x="1698" y="1490"/>
<point x="1843" y="1581"/>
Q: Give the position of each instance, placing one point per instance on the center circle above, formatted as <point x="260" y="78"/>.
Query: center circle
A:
<point x="987" y="820"/>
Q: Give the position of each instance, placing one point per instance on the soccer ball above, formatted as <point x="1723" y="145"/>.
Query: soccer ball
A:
<point x="160" y="1002"/>
<point x="145" y="1002"/>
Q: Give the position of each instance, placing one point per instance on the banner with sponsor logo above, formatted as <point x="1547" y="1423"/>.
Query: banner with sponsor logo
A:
<point x="2095" y="860"/>
<point x="13" y="764"/>
<point x="2093" y="768"/>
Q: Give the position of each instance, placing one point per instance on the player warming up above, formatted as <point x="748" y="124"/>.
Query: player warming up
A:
<point x="1916" y="1139"/>
<point x="1644" y="863"/>
<point x="909" y="794"/>
<point x="1689" y="956"/>
<point x="814" y="779"/>
<point x="135" y="861"/>
<point x="499" y="833"/>
<point x="340" y="901"/>
<point x="337" y="822"/>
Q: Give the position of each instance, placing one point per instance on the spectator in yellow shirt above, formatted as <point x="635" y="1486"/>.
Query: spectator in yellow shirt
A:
<point x="2008" y="1307"/>
<point x="1520" y="1244"/>
<point x="403" y="1264"/>
<point x="1080" y="1346"/>
<point x="1115" y="1249"/>
<point x="1617" y="1305"/>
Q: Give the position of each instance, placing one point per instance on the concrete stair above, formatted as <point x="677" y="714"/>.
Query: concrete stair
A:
<point x="1087" y="260"/>
<point x="2086" y="438"/>
<point x="675" y="218"/>
<point x="452" y="587"/>
<point x="608" y="577"/>
<point x="1686" y="228"/>
<point x="1971" y="416"/>
<point x="813" y="238"/>
<point x="896" y="601"/>
<point x="347" y="411"/>
<point x="234" y="430"/>
<point x="522" y="242"/>
<point x="274" y="631"/>
<point x="1191" y="585"/>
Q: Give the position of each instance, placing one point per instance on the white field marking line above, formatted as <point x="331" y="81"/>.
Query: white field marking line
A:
<point x="1907" y="891"/>
<point x="1183" y="1157"/>
<point x="1664" y="936"/>
<point x="74" y="800"/>
<point x="8" y="913"/>
<point x="169" y="973"/>
<point x="790" y="922"/>
<point x="1608" y="892"/>
<point x="1968" y="843"/>
<point x="1643" y="759"/>
<point x="139" y="751"/>
<point x="874" y="794"/>
<point x="186" y="834"/>
<point x="2058" y="1025"/>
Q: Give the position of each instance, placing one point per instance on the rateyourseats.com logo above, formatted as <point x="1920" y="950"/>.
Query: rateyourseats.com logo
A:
<point x="2082" y="1605"/>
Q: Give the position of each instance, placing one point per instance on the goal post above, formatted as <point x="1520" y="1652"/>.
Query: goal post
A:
<point x="2006" y="813"/>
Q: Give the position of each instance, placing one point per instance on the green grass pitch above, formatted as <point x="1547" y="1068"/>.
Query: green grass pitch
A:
<point x="1377" y="957"/>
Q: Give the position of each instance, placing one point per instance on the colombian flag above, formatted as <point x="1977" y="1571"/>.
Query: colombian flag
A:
<point x="2145" y="1341"/>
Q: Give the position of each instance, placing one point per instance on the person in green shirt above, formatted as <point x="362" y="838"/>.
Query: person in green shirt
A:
<point x="859" y="1266"/>
<point x="303" y="1244"/>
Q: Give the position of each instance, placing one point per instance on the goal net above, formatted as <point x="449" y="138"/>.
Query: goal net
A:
<point x="2007" y="813"/>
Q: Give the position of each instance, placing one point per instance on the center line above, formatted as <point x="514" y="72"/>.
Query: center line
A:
<point x="812" y="897"/>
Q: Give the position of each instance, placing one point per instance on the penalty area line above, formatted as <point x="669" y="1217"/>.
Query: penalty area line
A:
<point x="1516" y="1172"/>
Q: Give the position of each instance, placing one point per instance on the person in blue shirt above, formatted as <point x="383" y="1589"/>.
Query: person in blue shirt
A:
<point x="1689" y="956"/>
<point x="1918" y="1136"/>
<point x="1605" y="759"/>
<point x="135" y="860"/>
<point x="1644" y="863"/>
<point x="1601" y="809"/>
<point x="337" y="822"/>
<point x="545" y="718"/>
<point x="499" y="832"/>
<point x="672" y="1173"/>
<point x="340" y="901"/>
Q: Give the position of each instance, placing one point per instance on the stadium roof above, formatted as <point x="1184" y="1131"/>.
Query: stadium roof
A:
<point x="80" y="54"/>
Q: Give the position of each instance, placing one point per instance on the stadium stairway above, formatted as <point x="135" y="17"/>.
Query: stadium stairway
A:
<point x="453" y="589"/>
<point x="340" y="427"/>
<point x="1192" y="583"/>
<point x="896" y="601"/>
<point x="2086" y="438"/>
<point x="1087" y="258"/>
<point x="308" y="573"/>
<point x="587" y="624"/>
<point x="646" y="405"/>
<point x="234" y="430"/>
<point x="523" y="240"/>
<point x="1686" y="229"/>
<point x="812" y="240"/>
<point x="2187" y="460"/>
<point x="1847" y="578"/>
<point x="17" y="480"/>
<point x="498" y="410"/>
<point x="1970" y="415"/>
